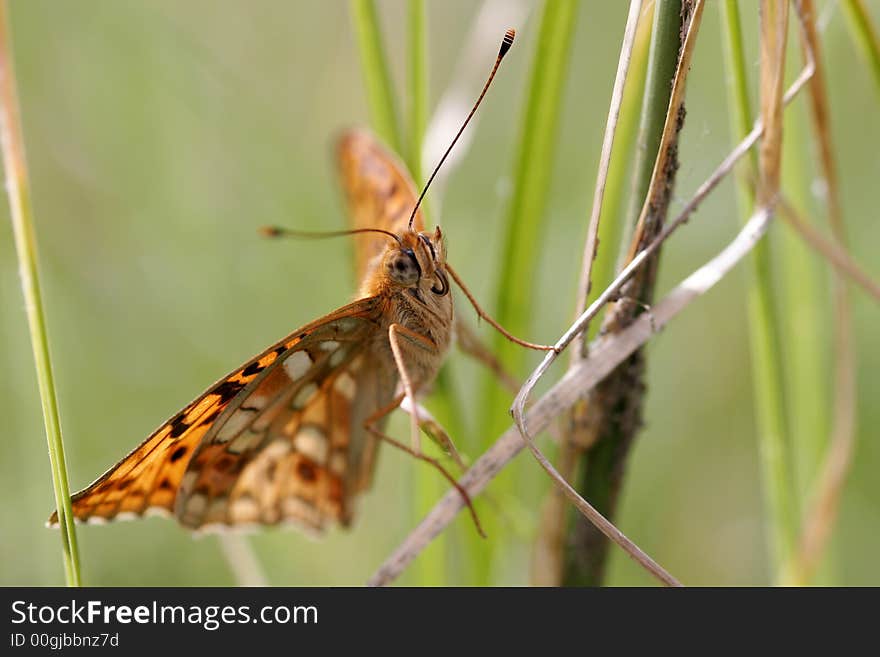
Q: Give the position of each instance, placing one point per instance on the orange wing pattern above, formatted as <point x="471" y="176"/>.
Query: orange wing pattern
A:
<point x="282" y="437"/>
<point x="379" y="191"/>
<point x="278" y="439"/>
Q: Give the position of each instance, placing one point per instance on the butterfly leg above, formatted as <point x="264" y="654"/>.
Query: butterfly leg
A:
<point x="435" y="430"/>
<point x="370" y="425"/>
<point x="395" y="332"/>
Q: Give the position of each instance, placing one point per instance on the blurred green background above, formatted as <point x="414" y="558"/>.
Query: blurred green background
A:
<point x="160" y="135"/>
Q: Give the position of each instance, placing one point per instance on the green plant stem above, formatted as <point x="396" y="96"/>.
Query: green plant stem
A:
<point x="533" y="168"/>
<point x="430" y="569"/>
<point x="377" y="78"/>
<point x="865" y="34"/>
<point x="763" y="318"/>
<point x="600" y="469"/>
<point x="532" y="178"/>
<point x="26" y="248"/>
<point x="662" y="59"/>
<point x="418" y="87"/>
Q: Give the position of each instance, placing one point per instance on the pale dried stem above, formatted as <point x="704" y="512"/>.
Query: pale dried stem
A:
<point x="613" y="289"/>
<point x="670" y="129"/>
<point x="654" y="209"/>
<point x="836" y="255"/>
<point x="242" y="561"/>
<point x="637" y="260"/>
<point x="626" y="48"/>
<point x="823" y="510"/>
<point x="606" y="353"/>
<point x="471" y="344"/>
<point x="774" y="25"/>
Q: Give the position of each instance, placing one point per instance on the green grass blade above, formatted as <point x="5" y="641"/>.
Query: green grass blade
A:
<point x="662" y="59"/>
<point x="532" y="178"/>
<point x="377" y="78"/>
<point x="597" y="472"/>
<point x="763" y="319"/>
<point x="522" y="230"/>
<point x="865" y="34"/>
<point x="417" y="74"/>
<point x="430" y="568"/>
<point x="26" y="249"/>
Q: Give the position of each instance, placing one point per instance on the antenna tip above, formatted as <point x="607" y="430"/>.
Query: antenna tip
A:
<point x="270" y="231"/>
<point x="507" y="42"/>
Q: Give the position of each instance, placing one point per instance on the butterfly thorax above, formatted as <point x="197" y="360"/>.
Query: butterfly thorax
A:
<point x="410" y="277"/>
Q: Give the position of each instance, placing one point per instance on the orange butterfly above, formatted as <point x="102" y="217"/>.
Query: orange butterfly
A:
<point x="292" y="434"/>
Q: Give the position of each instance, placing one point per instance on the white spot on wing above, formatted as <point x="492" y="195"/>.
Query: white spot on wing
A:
<point x="297" y="364"/>
<point x="276" y="450"/>
<point x="337" y="357"/>
<point x="234" y="424"/>
<point x="304" y="395"/>
<point x="345" y="385"/>
<point x="298" y="509"/>
<point x="329" y="345"/>
<point x="243" y="510"/>
<point x="247" y="440"/>
<point x="346" y="324"/>
<point x="256" y="400"/>
<point x="311" y="442"/>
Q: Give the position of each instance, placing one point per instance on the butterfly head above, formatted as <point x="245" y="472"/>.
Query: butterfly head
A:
<point x="417" y="262"/>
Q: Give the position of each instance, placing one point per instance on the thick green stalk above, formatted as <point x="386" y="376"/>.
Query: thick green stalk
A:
<point x="26" y="248"/>
<point x="377" y="78"/>
<point x="865" y="34"/>
<point x="763" y="317"/>
<point x="662" y="59"/>
<point x="600" y="469"/>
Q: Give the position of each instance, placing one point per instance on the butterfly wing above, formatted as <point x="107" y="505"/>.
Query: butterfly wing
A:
<point x="294" y="449"/>
<point x="321" y="354"/>
<point x="379" y="191"/>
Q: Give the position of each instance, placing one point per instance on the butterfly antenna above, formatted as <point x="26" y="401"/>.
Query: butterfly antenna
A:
<point x="278" y="231"/>
<point x="505" y="46"/>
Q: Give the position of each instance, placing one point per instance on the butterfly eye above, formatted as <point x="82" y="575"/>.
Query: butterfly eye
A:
<point x="404" y="268"/>
<point x="444" y="284"/>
